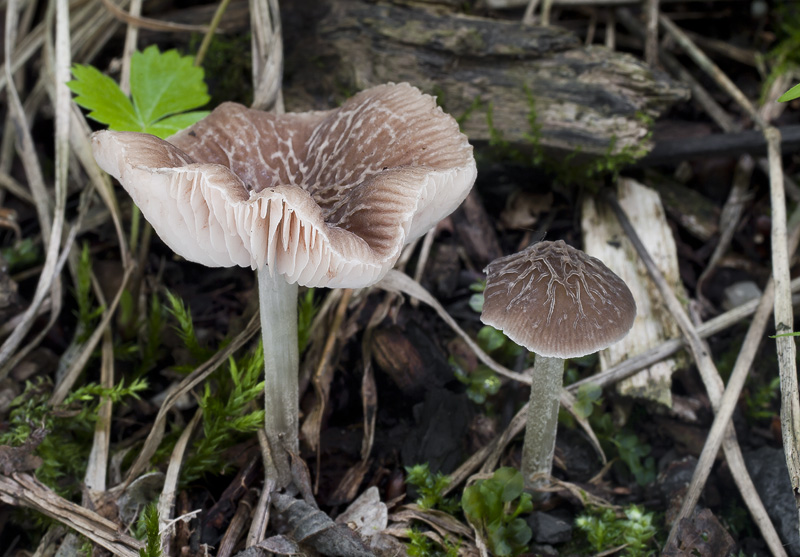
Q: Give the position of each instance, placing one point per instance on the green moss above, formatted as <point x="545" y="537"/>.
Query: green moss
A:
<point x="572" y="168"/>
<point x="228" y="68"/>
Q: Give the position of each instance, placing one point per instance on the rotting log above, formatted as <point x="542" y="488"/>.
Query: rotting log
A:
<point x="586" y="99"/>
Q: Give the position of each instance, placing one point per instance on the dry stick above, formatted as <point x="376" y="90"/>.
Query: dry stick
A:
<point x="745" y="56"/>
<point x="651" y="42"/>
<point x="166" y="500"/>
<point x="752" y="340"/>
<point x="712" y="381"/>
<point x="636" y="363"/>
<point x="784" y="318"/>
<point x="267" y="47"/>
<point x="25" y="490"/>
<point x="611" y="31"/>
<point x="530" y="9"/>
<point x="151" y="24"/>
<point x="237" y="524"/>
<point x="699" y="93"/>
<point x="187" y="384"/>
<point x="710" y="68"/>
<point x="17" y="189"/>
<point x="131" y="39"/>
<point x="258" y="524"/>
<point x="731" y="215"/>
<point x="790" y="401"/>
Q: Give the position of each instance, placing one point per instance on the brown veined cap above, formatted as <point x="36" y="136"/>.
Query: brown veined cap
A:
<point x="557" y="301"/>
<point x="324" y="198"/>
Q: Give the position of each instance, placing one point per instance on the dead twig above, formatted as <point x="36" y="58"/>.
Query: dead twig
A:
<point x="713" y="383"/>
<point x="784" y="317"/>
<point x="25" y="490"/>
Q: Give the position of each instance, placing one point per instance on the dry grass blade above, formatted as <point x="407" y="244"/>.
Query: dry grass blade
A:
<point x="62" y="389"/>
<point x="651" y="42"/>
<point x="166" y="501"/>
<point x="131" y="38"/>
<point x="784" y="317"/>
<point x="714" y="387"/>
<point x="51" y="230"/>
<point x="187" y="384"/>
<point x="25" y="490"/>
<point x="323" y="375"/>
<point x="95" y="478"/>
<point x="708" y="66"/>
<point x="151" y="24"/>
<point x="395" y="281"/>
<point x="79" y="139"/>
<point x="260" y="519"/>
<point x="15" y="188"/>
<point x="267" y="48"/>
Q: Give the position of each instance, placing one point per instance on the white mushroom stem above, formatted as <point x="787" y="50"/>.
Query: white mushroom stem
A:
<point x="540" y="431"/>
<point x="278" y="307"/>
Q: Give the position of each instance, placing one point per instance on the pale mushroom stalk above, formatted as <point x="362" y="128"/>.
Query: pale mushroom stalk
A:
<point x="539" y="445"/>
<point x="277" y="302"/>
<point x="559" y="303"/>
<point x="317" y="199"/>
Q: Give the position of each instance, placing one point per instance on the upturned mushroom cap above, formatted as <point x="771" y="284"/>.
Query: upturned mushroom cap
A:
<point x="557" y="301"/>
<point x="324" y="198"/>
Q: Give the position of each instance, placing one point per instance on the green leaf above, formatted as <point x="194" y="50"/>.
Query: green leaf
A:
<point x="518" y="532"/>
<point x="473" y="504"/>
<point x="173" y="124"/>
<point x="490" y="339"/>
<point x="163" y="84"/>
<point x="510" y="481"/>
<point x="103" y="98"/>
<point x="163" y="87"/>
<point x="790" y="95"/>
<point x="476" y="302"/>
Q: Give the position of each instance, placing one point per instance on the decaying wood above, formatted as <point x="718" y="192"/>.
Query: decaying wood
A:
<point x="586" y="99"/>
<point x="604" y="239"/>
<point x="306" y="525"/>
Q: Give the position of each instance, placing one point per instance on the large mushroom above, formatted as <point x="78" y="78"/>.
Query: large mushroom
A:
<point x="322" y="199"/>
<point x="559" y="303"/>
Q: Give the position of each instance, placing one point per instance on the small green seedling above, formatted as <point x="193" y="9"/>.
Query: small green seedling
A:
<point x="605" y="530"/>
<point x="148" y="521"/>
<point x="431" y="488"/>
<point x="163" y="87"/>
<point x="420" y="545"/>
<point x="494" y="507"/>
<point x="588" y="397"/>
<point x="481" y="383"/>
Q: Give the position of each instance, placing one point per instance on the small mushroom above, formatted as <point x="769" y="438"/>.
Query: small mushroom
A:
<point x="559" y="303"/>
<point x="322" y="199"/>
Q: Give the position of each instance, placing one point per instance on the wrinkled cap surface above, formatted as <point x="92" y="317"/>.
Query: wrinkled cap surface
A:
<point x="557" y="301"/>
<point x="324" y="198"/>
